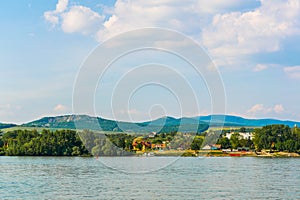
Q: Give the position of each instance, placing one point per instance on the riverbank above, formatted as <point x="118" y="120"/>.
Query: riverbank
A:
<point x="217" y="153"/>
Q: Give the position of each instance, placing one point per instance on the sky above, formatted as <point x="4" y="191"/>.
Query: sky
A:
<point x="252" y="43"/>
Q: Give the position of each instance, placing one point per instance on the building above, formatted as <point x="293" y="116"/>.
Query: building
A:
<point x="212" y="147"/>
<point x="246" y="135"/>
<point x="152" y="135"/>
<point x="206" y="147"/>
<point x="215" y="147"/>
<point x="158" y="146"/>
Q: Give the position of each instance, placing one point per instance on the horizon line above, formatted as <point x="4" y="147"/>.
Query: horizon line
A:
<point x="149" y="120"/>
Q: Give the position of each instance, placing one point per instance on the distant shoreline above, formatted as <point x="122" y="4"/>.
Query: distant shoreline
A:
<point x="218" y="153"/>
<point x="264" y="142"/>
<point x="182" y="154"/>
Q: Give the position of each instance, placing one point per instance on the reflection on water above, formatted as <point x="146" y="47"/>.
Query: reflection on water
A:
<point x="187" y="178"/>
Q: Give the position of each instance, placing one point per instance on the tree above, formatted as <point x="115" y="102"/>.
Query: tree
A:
<point x="243" y="130"/>
<point x="197" y="143"/>
<point x="75" y="151"/>
<point x="290" y="145"/>
<point x="234" y="140"/>
<point x="277" y="137"/>
<point x="224" y="142"/>
<point x="249" y="143"/>
<point x="32" y="143"/>
<point x="1" y="140"/>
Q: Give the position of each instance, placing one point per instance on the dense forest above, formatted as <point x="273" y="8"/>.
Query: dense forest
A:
<point x="45" y="143"/>
<point x="277" y="137"/>
<point x="271" y="137"/>
<point x="72" y="143"/>
<point x="87" y="143"/>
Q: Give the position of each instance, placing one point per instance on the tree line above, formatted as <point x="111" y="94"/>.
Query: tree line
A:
<point x="277" y="138"/>
<point x="271" y="137"/>
<point x="44" y="143"/>
<point x="86" y="142"/>
<point x="72" y="143"/>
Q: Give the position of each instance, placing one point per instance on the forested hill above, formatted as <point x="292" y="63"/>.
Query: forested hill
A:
<point x="164" y="124"/>
<point x="228" y="120"/>
<point x="167" y="124"/>
<point x="2" y="125"/>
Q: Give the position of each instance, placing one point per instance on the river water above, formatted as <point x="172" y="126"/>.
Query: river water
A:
<point x="183" y="178"/>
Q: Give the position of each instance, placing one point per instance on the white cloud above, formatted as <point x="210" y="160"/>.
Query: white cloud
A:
<point x="185" y="16"/>
<point x="228" y="31"/>
<point x="61" y="6"/>
<point x="257" y="108"/>
<point x="82" y="20"/>
<point x="238" y="34"/>
<point x="292" y="72"/>
<point x="261" y="109"/>
<point x="59" y="108"/>
<point x="128" y="15"/>
<point x="53" y="16"/>
<point x="75" y="18"/>
<point x="260" y="67"/>
<point x="279" y="108"/>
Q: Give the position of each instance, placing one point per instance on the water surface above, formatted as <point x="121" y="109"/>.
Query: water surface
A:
<point x="187" y="178"/>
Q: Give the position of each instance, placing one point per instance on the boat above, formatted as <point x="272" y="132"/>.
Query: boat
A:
<point x="235" y="154"/>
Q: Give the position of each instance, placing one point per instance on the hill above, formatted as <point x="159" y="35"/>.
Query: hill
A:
<point x="216" y="120"/>
<point x="2" y="125"/>
<point x="164" y="124"/>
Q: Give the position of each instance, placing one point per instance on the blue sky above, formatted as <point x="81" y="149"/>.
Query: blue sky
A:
<point x="254" y="44"/>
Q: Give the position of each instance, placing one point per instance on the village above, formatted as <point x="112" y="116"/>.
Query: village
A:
<point x="233" y="142"/>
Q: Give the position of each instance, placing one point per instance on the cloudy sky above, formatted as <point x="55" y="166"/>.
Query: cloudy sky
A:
<point x="253" y="43"/>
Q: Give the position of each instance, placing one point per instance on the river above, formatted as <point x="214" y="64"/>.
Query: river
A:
<point x="122" y="178"/>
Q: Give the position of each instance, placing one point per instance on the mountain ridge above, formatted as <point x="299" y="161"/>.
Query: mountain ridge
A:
<point x="6" y="125"/>
<point x="167" y="123"/>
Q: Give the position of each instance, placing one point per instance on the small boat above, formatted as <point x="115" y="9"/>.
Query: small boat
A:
<point x="150" y="154"/>
<point x="235" y="154"/>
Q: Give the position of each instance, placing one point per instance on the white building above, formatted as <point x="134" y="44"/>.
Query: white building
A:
<point x="243" y="135"/>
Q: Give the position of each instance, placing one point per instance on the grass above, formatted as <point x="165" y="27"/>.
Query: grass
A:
<point x="231" y="128"/>
<point x="39" y="129"/>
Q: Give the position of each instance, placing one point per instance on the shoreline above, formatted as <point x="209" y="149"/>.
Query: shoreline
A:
<point x="242" y="155"/>
<point x="217" y="153"/>
<point x="187" y="153"/>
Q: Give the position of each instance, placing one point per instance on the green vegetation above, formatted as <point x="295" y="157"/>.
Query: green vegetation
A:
<point x="69" y="143"/>
<point x="197" y="143"/>
<point x="277" y="137"/>
<point x="75" y="122"/>
<point x="235" y="142"/>
<point x="81" y="122"/>
<point x="271" y="137"/>
<point x="63" y="143"/>
<point x="100" y="144"/>
<point x="224" y="142"/>
<point x="48" y="142"/>
<point x="2" y="126"/>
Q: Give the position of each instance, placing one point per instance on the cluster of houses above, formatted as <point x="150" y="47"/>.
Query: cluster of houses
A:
<point x="141" y="143"/>
<point x="243" y="135"/>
